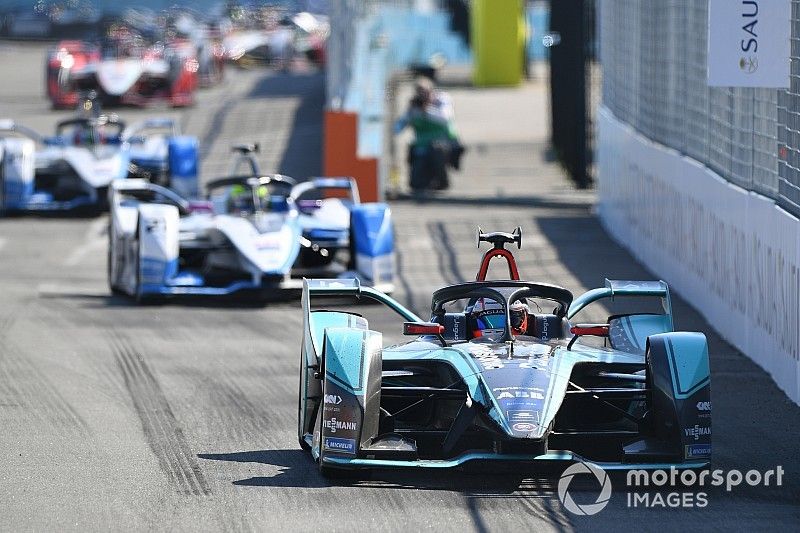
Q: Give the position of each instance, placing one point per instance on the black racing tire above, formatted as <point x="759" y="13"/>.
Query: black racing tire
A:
<point x="311" y="259"/>
<point x="137" y="295"/>
<point x="111" y="287"/>
<point x="351" y="246"/>
<point x="303" y="444"/>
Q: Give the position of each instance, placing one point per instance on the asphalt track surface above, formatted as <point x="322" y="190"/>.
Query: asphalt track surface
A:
<point x="181" y="415"/>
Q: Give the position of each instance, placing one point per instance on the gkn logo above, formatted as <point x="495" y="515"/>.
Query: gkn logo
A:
<point x="704" y="406"/>
<point x="333" y="399"/>
<point x="334" y="424"/>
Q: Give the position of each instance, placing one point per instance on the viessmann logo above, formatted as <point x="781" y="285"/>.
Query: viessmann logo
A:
<point x="333" y="424"/>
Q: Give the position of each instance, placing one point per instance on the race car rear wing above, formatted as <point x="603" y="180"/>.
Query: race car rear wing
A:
<point x="614" y="288"/>
<point x="329" y="185"/>
<point x="9" y="126"/>
<point x="338" y="288"/>
<point x="164" y="125"/>
<point x="626" y="332"/>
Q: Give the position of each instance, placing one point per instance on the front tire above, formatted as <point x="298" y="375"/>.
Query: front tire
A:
<point x="137" y="286"/>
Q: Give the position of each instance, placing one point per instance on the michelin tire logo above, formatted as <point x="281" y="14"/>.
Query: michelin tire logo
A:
<point x="340" y="445"/>
<point x="590" y="508"/>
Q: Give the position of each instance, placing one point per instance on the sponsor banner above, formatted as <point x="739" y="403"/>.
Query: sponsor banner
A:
<point x="748" y="43"/>
<point x="733" y="254"/>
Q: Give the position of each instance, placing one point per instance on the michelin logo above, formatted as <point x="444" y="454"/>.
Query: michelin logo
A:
<point x="334" y="424"/>
<point x="340" y="445"/>
<point x="698" y="450"/>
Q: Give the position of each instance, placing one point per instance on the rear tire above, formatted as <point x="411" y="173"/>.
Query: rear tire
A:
<point x="113" y="288"/>
<point x="300" y="410"/>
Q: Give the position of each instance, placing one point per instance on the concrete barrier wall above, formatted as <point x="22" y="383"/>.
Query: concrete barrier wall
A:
<point x="732" y="254"/>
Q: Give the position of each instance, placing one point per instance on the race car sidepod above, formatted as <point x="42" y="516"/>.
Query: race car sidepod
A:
<point x="158" y="247"/>
<point x="17" y="172"/>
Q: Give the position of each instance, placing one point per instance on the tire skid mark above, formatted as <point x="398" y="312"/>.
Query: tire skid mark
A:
<point x="403" y="279"/>
<point x="161" y="429"/>
<point x="240" y="417"/>
<point x="25" y="386"/>
<point x="6" y="323"/>
<point x="446" y="255"/>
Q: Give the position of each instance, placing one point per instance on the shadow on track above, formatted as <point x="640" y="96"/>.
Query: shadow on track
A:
<point x="235" y="301"/>
<point x="303" y="154"/>
<point x="433" y="198"/>
<point x="299" y="470"/>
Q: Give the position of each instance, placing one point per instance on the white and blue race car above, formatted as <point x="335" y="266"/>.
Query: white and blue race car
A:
<point x="256" y="232"/>
<point x="73" y="168"/>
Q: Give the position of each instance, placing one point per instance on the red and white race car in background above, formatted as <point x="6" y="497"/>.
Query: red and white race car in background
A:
<point x="123" y="71"/>
<point x="66" y="57"/>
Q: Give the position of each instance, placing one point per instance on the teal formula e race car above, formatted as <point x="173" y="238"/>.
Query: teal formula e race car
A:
<point x="499" y="373"/>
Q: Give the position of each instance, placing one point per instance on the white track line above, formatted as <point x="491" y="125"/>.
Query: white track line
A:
<point x="95" y="240"/>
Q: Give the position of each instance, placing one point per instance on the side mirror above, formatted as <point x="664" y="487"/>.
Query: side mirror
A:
<point x="597" y="330"/>
<point x="422" y="328"/>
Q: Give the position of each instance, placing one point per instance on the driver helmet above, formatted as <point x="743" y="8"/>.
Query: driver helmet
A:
<point x="487" y="319"/>
<point x="518" y="312"/>
<point x="240" y="198"/>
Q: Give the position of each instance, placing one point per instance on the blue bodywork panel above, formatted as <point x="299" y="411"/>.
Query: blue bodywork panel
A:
<point x="372" y="229"/>
<point x="183" y="162"/>
<point x="690" y="370"/>
<point x="344" y="361"/>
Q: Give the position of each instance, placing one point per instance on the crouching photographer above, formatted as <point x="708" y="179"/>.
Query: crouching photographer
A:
<point x="436" y="145"/>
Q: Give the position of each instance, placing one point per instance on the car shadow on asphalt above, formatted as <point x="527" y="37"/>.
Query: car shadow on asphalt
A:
<point x="298" y="469"/>
<point x="98" y="300"/>
<point x="434" y="198"/>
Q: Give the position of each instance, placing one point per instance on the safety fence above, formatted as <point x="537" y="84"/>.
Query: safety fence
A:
<point x="702" y="183"/>
<point x="654" y="58"/>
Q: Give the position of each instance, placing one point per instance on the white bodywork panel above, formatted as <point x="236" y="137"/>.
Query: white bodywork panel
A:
<point x="17" y="157"/>
<point x="96" y="166"/>
<point x="264" y="242"/>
